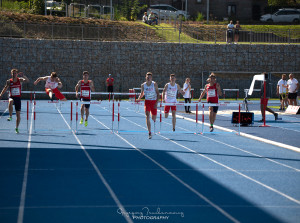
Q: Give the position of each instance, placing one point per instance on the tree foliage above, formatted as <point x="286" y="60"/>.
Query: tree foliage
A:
<point x="284" y="2"/>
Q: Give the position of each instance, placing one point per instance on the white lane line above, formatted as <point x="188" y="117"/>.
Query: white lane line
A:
<point x="25" y="178"/>
<point x="231" y="169"/>
<point x="231" y="146"/>
<point x="104" y="181"/>
<point x="3" y="113"/>
<point x="176" y="178"/>
<point x="282" y="145"/>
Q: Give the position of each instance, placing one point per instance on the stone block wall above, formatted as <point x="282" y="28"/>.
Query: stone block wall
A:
<point x="128" y="62"/>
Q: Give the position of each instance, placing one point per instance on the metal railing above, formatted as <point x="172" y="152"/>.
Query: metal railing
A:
<point x="185" y="34"/>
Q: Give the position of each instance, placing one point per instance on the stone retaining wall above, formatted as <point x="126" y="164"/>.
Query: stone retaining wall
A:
<point x="128" y="62"/>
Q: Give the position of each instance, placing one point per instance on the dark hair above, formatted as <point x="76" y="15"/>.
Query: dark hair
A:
<point x="172" y="75"/>
<point x="85" y="72"/>
<point x="14" y="70"/>
<point x="53" y="74"/>
<point x="149" y="73"/>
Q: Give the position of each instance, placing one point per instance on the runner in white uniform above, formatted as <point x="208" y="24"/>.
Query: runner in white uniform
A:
<point x="169" y="96"/>
<point x="52" y="85"/>
<point x="282" y="92"/>
<point x="150" y="90"/>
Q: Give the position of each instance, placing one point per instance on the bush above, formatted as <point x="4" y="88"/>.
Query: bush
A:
<point x="200" y="17"/>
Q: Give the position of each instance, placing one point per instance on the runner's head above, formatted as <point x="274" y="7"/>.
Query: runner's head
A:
<point x="187" y="80"/>
<point x="53" y="75"/>
<point x="283" y="76"/>
<point x="14" y="73"/>
<point x="212" y="78"/>
<point x="149" y="76"/>
<point x="85" y="75"/>
<point x="291" y="76"/>
<point x="172" y="78"/>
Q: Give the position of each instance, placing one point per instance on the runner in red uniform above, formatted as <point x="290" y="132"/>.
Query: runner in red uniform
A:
<point x="14" y="95"/>
<point x="86" y="86"/>
<point x="213" y="91"/>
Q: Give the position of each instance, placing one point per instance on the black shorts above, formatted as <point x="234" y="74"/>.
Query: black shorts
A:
<point x="86" y="105"/>
<point x="282" y="96"/>
<point x="215" y="109"/>
<point x="17" y="103"/>
<point x="110" y="88"/>
<point x="292" y="96"/>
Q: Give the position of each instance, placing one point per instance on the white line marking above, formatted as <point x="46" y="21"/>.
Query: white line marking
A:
<point x="231" y="169"/>
<point x="176" y="178"/>
<point x="281" y="164"/>
<point x="25" y="178"/>
<point x="110" y="190"/>
<point x="3" y="113"/>
<point x="293" y="148"/>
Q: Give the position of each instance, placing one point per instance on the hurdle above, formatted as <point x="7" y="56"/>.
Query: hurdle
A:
<point x="231" y="90"/>
<point x="227" y="104"/>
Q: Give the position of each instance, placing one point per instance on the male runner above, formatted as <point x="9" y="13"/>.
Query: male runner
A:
<point x="52" y="85"/>
<point x="150" y="90"/>
<point x="213" y="91"/>
<point x="14" y="95"/>
<point x="281" y="90"/>
<point x="86" y="86"/>
<point x="169" y="96"/>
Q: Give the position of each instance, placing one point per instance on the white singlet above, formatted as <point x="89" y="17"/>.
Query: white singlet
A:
<point x="149" y="91"/>
<point x="171" y="94"/>
<point x="51" y="84"/>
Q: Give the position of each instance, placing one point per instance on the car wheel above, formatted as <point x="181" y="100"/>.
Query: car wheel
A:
<point x="269" y="20"/>
<point x="296" y="21"/>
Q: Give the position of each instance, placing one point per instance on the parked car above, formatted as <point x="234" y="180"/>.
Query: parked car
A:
<point x="163" y="10"/>
<point x="282" y="15"/>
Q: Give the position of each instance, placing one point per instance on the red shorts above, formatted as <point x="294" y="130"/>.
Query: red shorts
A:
<point x="167" y="108"/>
<point x="57" y="93"/>
<point x="264" y="101"/>
<point x="150" y="105"/>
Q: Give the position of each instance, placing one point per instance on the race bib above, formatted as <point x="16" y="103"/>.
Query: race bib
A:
<point x="211" y="93"/>
<point x="15" y="91"/>
<point x="85" y="93"/>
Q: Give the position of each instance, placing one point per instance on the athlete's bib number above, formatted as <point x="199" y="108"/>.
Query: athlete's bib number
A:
<point x="211" y="93"/>
<point x="15" y="91"/>
<point x="85" y="93"/>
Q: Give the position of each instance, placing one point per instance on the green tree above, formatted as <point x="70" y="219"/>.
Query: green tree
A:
<point x="283" y="2"/>
<point x="130" y="9"/>
<point x="39" y="7"/>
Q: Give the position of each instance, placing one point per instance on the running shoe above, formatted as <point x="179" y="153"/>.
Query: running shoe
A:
<point x="81" y="121"/>
<point x="276" y="116"/>
<point x="86" y="123"/>
<point x="9" y="118"/>
<point x="173" y="129"/>
<point x="150" y="136"/>
<point x="211" y="128"/>
<point x="17" y="130"/>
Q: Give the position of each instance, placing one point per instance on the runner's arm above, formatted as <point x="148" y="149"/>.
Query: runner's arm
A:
<point x="40" y="79"/>
<point x="142" y="93"/>
<point x="180" y="89"/>
<point x="92" y="85"/>
<point x="219" y="90"/>
<point x="164" y="92"/>
<point x="157" y="92"/>
<point x="23" y="78"/>
<point x="77" y="88"/>
<point x="59" y="83"/>
<point x="4" y="89"/>
<point x="202" y="94"/>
